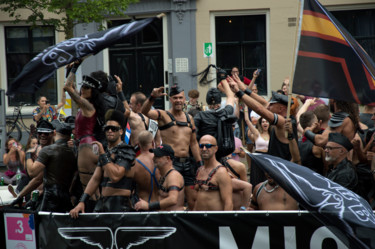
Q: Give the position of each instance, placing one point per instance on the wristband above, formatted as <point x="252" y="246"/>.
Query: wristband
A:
<point x="29" y="155"/>
<point x="151" y="98"/>
<point x="240" y="94"/>
<point x="248" y="91"/>
<point x="121" y="96"/>
<point x="290" y="136"/>
<point x="310" y="135"/>
<point x="200" y="163"/>
<point x="84" y="197"/>
<point x="103" y="160"/>
<point x="154" y="206"/>
<point x="373" y="172"/>
<point x="74" y="70"/>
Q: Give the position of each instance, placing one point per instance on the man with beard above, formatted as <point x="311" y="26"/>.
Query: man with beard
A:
<point x="46" y="133"/>
<point x="341" y="170"/>
<point x="268" y="195"/>
<point x="213" y="184"/>
<point x="171" y="184"/>
<point x="114" y="170"/>
<point x="178" y="130"/>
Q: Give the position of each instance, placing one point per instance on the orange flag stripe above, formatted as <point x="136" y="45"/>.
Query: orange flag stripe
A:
<point x="313" y="25"/>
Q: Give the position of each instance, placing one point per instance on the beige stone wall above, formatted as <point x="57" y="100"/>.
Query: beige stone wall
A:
<point x="280" y="37"/>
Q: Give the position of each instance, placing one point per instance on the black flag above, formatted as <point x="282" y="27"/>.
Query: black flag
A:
<point x="42" y="66"/>
<point x="330" y="62"/>
<point x="332" y="204"/>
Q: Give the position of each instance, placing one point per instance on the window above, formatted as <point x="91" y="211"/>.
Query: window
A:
<point x="241" y="42"/>
<point x="361" y="25"/>
<point x="22" y="44"/>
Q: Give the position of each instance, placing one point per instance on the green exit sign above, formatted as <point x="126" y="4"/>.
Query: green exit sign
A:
<point x="207" y="49"/>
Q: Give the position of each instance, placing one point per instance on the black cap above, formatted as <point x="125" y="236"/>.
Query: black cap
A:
<point x="337" y="119"/>
<point x="279" y="98"/>
<point x="340" y="139"/>
<point x="71" y="121"/>
<point x="213" y="96"/>
<point x="91" y="82"/>
<point x="175" y="90"/>
<point x="44" y="127"/>
<point x="62" y="128"/>
<point x="163" y="150"/>
<point x="116" y="115"/>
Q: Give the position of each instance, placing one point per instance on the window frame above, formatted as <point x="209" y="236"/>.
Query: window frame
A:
<point x="27" y="110"/>
<point x="213" y="59"/>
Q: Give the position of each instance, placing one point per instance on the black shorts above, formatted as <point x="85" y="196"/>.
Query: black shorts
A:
<point x="113" y="204"/>
<point x="186" y="169"/>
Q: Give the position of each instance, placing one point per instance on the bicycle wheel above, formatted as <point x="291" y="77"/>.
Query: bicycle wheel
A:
<point x="13" y="130"/>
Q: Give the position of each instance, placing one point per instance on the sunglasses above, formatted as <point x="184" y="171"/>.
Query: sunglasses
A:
<point x="112" y="128"/>
<point x="208" y="146"/>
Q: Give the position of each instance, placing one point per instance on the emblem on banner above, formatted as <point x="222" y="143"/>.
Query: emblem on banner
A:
<point x="124" y="237"/>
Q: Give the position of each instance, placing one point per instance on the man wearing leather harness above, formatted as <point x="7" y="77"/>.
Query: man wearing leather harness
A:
<point x="178" y="130"/>
<point x="145" y="173"/>
<point x="114" y="171"/>
<point x="59" y="164"/>
<point x="171" y="184"/>
<point x="213" y="184"/>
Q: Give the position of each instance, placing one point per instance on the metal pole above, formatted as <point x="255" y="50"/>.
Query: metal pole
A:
<point x="2" y="125"/>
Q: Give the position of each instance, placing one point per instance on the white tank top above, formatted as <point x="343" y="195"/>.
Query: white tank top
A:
<point x="261" y="144"/>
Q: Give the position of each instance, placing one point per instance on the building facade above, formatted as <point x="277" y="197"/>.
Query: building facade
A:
<point x="247" y="34"/>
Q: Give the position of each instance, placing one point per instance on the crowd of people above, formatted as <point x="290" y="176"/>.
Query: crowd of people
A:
<point x="172" y="159"/>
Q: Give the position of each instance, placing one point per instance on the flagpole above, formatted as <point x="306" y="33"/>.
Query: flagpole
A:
<point x="296" y="45"/>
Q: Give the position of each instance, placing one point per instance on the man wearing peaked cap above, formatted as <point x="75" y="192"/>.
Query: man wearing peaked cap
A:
<point x="177" y="129"/>
<point x="59" y="164"/>
<point x="171" y="185"/>
<point x="275" y="114"/>
<point x="341" y="169"/>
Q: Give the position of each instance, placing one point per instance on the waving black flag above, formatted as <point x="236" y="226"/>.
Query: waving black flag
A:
<point x="42" y="66"/>
<point x="338" y="208"/>
<point x="330" y="62"/>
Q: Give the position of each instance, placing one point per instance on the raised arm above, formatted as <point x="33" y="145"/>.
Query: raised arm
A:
<point x="146" y="108"/>
<point x="121" y="96"/>
<point x="255" y="96"/>
<point x="255" y="76"/>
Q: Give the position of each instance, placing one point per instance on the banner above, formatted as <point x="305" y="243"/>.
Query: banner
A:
<point x="20" y="230"/>
<point x="331" y="203"/>
<point x="330" y="62"/>
<point x="44" y="65"/>
<point x="188" y="230"/>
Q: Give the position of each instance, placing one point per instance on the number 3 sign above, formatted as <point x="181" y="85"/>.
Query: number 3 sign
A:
<point x="20" y="231"/>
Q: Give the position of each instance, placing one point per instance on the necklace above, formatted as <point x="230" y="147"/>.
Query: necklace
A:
<point x="270" y="190"/>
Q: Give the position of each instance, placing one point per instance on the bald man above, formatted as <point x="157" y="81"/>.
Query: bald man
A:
<point x="213" y="183"/>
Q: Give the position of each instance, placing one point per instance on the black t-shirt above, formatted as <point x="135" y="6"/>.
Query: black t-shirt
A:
<point x="60" y="164"/>
<point x="206" y="122"/>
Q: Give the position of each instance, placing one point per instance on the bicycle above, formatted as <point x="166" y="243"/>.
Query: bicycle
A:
<point x="15" y="124"/>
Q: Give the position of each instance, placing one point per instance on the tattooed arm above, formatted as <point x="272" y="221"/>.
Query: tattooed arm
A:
<point x="86" y="107"/>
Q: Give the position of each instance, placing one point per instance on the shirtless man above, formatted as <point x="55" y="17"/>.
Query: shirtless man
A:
<point x="145" y="173"/>
<point x="171" y="194"/>
<point x="269" y="195"/>
<point x="178" y="130"/>
<point x="137" y="121"/>
<point x="114" y="170"/>
<point x="242" y="189"/>
<point x="213" y="184"/>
